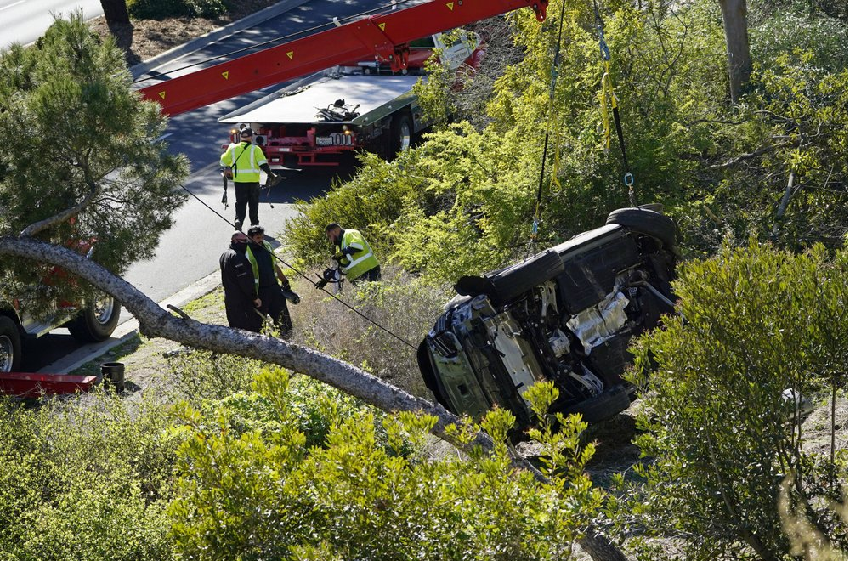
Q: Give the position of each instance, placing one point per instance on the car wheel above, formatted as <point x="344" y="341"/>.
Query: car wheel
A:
<point x="646" y="221"/>
<point x="603" y="406"/>
<point x="10" y="345"/>
<point x="97" y="321"/>
<point x="517" y="279"/>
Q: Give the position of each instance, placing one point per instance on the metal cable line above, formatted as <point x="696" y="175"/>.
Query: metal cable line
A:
<point x="304" y="276"/>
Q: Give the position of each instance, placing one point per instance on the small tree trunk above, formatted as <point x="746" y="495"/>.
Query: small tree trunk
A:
<point x="116" y="12"/>
<point x="739" y="66"/>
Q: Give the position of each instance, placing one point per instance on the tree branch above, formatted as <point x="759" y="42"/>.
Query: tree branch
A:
<point x="37" y="227"/>
<point x="781" y="209"/>
<point x="154" y="321"/>
<point x="741" y="157"/>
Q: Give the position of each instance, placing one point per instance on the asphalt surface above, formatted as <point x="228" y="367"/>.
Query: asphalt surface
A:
<point x="24" y="21"/>
<point x="187" y="255"/>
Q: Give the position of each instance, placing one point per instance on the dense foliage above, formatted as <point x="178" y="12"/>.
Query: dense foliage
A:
<point x="258" y="490"/>
<point x="86" y="481"/>
<point x="771" y="167"/>
<point x="75" y="133"/>
<point x="161" y="9"/>
<point x="758" y="331"/>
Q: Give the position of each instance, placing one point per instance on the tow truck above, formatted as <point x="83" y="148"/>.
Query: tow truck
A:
<point x="385" y="38"/>
<point x="361" y="105"/>
<point x="365" y="102"/>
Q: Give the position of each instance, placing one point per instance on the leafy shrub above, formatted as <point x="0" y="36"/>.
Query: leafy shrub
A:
<point x="198" y="375"/>
<point x="311" y="406"/>
<point x="754" y="323"/>
<point x="86" y="480"/>
<point x="264" y="494"/>
<point x="161" y="9"/>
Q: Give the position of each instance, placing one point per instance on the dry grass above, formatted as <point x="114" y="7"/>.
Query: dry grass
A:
<point x="404" y="307"/>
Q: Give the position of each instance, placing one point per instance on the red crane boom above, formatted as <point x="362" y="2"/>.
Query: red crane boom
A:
<point x="384" y="36"/>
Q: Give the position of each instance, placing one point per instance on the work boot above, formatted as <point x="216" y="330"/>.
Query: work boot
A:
<point x="238" y="224"/>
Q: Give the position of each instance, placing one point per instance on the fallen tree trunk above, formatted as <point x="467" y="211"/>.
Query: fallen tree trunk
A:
<point x="155" y="321"/>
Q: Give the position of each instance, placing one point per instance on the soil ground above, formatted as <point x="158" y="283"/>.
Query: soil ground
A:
<point x="144" y="39"/>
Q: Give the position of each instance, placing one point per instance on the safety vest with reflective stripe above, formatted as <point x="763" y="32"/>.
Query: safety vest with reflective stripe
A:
<point x="246" y="159"/>
<point x="360" y="262"/>
<point x="254" y="266"/>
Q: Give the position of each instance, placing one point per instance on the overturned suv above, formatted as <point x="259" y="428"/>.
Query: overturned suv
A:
<point x="565" y="315"/>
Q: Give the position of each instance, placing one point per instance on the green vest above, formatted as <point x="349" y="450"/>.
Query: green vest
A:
<point x="359" y="262"/>
<point x="245" y="159"/>
<point x="254" y="266"/>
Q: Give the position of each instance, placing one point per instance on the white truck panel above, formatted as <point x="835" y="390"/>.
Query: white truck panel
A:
<point x="301" y="106"/>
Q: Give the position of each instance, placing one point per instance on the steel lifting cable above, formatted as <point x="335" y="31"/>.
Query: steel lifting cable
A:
<point x="537" y="215"/>
<point x="304" y="276"/>
<point x="279" y="39"/>
<point x="609" y="99"/>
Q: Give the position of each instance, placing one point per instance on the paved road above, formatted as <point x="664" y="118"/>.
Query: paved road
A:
<point x="191" y="249"/>
<point x="24" y="21"/>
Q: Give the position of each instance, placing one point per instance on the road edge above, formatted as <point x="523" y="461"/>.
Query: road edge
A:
<point x="197" y="43"/>
<point x="129" y="329"/>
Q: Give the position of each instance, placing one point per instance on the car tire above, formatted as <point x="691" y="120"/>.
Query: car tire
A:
<point x="515" y="280"/>
<point x="603" y="406"/>
<point x="97" y="321"/>
<point x="648" y="222"/>
<point x="10" y="345"/>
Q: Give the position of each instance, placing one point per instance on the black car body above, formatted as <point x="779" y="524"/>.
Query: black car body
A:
<point x="566" y="315"/>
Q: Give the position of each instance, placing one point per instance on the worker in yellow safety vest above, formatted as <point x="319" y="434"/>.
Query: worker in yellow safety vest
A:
<point x="354" y="255"/>
<point x="244" y="160"/>
<point x="267" y="278"/>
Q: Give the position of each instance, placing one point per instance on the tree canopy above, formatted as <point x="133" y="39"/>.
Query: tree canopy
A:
<point x="83" y="159"/>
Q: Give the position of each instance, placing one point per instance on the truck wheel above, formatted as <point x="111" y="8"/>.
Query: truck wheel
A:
<point x="10" y="345"/>
<point x="401" y="133"/>
<point x="646" y="222"/>
<point x="517" y="279"/>
<point x="97" y="321"/>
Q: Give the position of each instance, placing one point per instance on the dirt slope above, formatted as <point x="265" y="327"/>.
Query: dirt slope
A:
<point x="147" y="38"/>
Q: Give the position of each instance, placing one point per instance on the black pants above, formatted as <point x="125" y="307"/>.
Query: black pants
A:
<point x="274" y="306"/>
<point x="369" y="275"/>
<point x="242" y="315"/>
<point x="247" y="195"/>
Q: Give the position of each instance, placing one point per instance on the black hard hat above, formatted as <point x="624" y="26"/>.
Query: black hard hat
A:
<point x="253" y="230"/>
<point x="247" y="131"/>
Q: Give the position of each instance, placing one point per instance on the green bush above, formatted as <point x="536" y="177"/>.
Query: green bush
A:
<point x="263" y="494"/>
<point x="161" y="9"/>
<point x="85" y="480"/>
<point x="753" y="324"/>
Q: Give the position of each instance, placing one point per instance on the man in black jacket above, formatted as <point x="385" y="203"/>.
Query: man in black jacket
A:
<point x="268" y="277"/>
<point x="240" y="298"/>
